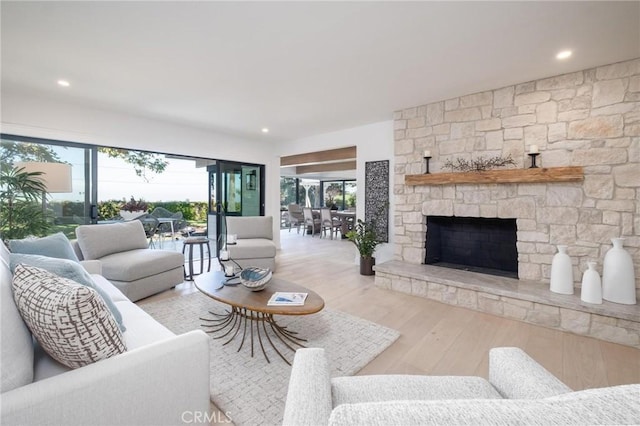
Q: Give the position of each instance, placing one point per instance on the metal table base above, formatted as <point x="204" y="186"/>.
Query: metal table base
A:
<point x="236" y="319"/>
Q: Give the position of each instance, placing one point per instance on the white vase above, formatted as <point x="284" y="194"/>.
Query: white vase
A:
<point x="591" y="285"/>
<point x="561" y="272"/>
<point x="618" y="278"/>
<point x="126" y="215"/>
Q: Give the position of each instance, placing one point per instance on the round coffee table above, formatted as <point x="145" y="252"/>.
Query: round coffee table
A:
<point x="249" y="309"/>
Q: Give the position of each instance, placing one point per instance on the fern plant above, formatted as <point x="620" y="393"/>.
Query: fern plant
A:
<point x="21" y="212"/>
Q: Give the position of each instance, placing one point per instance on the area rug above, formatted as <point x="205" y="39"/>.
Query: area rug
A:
<point x="250" y="390"/>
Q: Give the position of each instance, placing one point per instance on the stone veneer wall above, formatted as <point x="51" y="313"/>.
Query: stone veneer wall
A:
<point x="589" y="118"/>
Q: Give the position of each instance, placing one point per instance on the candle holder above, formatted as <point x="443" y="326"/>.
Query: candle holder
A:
<point x="427" y="160"/>
<point x="533" y="160"/>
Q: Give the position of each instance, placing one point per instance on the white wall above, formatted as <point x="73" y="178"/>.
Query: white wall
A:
<point x="374" y="142"/>
<point x="44" y="118"/>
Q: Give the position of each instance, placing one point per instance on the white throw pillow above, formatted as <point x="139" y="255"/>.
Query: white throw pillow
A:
<point x="69" y="320"/>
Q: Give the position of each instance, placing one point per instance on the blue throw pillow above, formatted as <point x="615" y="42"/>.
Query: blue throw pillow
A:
<point x="56" y="245"/>
<point x="67" y="269"/>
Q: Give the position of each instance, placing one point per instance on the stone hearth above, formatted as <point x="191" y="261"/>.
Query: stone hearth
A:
<point x="522" y="300"/>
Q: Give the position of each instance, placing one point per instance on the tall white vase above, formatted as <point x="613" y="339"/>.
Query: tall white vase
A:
<point x="591" y="285"/>
<point x="561" y="272"/>
<point x="618" y="278"/>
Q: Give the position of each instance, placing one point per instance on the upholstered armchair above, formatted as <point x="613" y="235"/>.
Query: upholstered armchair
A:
<point x="127" y="261"/>
<point x="254" y="245"/>
<point x="518" y="391"/>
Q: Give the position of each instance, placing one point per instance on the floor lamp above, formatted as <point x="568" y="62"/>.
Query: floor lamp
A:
<point x="55" y="176"/>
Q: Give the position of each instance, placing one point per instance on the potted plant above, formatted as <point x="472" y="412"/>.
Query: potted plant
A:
<point x="21" y="212"/>
<point x="363" y="235"/>
<point x="133" y="208"/>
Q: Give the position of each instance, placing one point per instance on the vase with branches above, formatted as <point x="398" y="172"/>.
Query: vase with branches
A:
<point x="133" y="208"/>
<point x="134" y="205"/>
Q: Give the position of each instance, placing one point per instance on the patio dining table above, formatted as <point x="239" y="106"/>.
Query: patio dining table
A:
<point x="170" y="221"/>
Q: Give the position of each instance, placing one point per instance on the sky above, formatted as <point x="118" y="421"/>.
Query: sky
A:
<point x="180" y="181"/>
<point x="117" y="180"/>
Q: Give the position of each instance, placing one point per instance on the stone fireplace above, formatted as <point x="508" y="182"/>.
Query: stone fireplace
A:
<point x="590" y="119"/>
<point x="472" y="244"/>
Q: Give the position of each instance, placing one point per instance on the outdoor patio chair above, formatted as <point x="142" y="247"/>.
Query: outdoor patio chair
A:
<point x="178" y="223"/>
<point x="150" y="225"/>
<point x="160" y="212"/>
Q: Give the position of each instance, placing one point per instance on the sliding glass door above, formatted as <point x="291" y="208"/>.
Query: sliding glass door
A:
<point x="72" y="194"/>
<point x="235" y="189"/>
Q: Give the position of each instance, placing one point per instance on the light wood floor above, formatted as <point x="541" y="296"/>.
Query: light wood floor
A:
<point x="437" y="338"/>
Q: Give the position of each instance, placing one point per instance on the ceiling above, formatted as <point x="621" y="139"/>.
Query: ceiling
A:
<point x="298" y="68"/>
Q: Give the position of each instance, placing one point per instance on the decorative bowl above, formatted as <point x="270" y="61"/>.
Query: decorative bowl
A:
<point x="255" y="279"/>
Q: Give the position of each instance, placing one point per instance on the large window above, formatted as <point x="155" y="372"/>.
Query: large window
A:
<point x="312" y="194"/>
<point x="336" y="194"/>
<point x="69" y="185"/>
<point x="289" y="192"/>
<point x="104" y="178"/>
<point x="340" y="194"/>
<point x="305" y="192"/>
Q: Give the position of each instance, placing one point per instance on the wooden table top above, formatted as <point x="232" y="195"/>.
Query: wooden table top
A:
<point x="343" y="213"/>
<point x="241" y="297"/>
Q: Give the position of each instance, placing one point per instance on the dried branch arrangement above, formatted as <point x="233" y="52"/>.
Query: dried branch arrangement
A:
<point x="478" y="164"/>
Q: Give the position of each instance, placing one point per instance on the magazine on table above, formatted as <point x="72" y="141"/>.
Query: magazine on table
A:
<point x="283" y="298"/>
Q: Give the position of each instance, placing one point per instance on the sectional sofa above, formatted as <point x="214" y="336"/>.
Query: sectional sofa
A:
<point x="161" y="379"/>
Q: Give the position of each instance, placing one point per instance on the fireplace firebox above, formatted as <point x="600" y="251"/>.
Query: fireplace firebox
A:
<point x="484" y="245"/>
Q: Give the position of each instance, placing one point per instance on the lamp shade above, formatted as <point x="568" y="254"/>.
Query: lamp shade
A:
<point x="56" y="176"/>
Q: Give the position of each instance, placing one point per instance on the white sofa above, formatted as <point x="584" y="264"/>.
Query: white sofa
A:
<point x="162" y="379"/>
<point x="255" y="246"/>
<point x="519" y="391"/>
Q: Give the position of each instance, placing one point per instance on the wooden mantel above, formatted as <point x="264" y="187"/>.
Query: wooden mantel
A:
<point x="537" y="175"/>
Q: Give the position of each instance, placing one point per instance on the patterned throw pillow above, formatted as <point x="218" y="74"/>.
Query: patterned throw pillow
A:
<point x="66" y="268"/>
<point x="69" y="320"/>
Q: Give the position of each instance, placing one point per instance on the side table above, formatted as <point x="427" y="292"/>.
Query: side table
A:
<point x="189" y="243"/>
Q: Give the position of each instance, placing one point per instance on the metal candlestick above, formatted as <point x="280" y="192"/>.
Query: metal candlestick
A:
<point x="427" y="159"/>
<point x="533" y="160"/>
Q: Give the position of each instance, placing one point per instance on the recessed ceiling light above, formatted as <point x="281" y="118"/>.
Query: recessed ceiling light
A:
<point x="564" y="54"/>
<point x="265" y="130"/>
<point x="64" y="83"/>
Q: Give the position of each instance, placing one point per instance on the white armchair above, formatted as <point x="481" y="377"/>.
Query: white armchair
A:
<point x="254" y="245"/>
<point x="519" y="391"/>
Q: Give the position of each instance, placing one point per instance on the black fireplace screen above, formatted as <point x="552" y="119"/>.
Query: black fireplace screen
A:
<point x="475" y="244"/>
